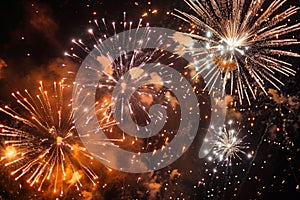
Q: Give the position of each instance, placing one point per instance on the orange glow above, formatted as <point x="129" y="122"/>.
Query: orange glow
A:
<point x="10" y="151"/>
<point x="224" y="65"/>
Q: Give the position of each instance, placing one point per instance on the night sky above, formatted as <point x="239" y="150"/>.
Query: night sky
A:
<point x="36" y="34"/>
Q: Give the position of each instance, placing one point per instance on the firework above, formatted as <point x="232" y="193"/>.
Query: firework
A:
<point x="115" y="70"/>
<point x="242" y="42"/>
<point x="226" y="164"/>
<point x="42" y="145"/>
<point x="145" y="86"/>
<point x="227" y="145"/>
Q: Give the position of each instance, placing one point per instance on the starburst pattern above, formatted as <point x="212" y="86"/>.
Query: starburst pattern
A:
<point x="241" y="42"/>
<point x="42" y="145"/>
<point x="227" y="145"/>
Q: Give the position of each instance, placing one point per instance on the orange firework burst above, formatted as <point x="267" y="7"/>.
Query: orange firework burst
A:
<point x="42" y="146"/>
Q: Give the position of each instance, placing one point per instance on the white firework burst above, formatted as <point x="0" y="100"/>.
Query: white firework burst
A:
<point x="242" y="41"/>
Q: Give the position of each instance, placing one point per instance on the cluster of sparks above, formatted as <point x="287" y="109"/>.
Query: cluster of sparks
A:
<point x="242" y="42"/>
<point x="41" y="145"/>
<point x="227" y="146"/>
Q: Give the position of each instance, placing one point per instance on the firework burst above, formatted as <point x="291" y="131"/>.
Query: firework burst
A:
<point x="114" y="70"/>
<point x="128" y="72"/>
<point x="227" y="161"/>
<point x="227" y="145"/>
<point x="42" y="145"/>
<point x="242" y="42"/>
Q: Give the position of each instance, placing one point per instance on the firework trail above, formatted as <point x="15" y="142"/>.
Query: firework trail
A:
<point x="280" y="121"/>
<point x="242" y="41"/>
<point x="42" y="145"/>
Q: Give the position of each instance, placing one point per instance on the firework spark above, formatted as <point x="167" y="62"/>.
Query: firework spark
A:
<point x="42" y="144"/>
<point x="242" y="42"/>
